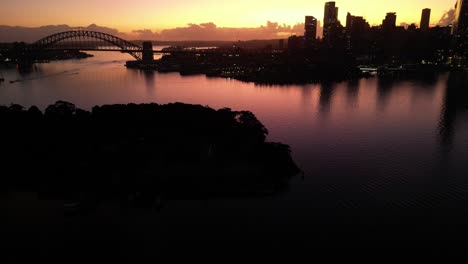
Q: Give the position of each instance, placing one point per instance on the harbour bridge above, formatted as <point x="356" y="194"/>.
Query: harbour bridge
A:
<point x="84" y="40"/>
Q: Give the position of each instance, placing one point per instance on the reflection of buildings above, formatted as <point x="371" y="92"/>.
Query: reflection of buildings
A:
<point x="384" y="89"/>
<point x="310" y="33"/>
<point x="326" y="94"/>
<point x="149" y="79"/>
<point x="352" y="93"/>
<point x="455" y="103"/>
<point x="425" y="18"/>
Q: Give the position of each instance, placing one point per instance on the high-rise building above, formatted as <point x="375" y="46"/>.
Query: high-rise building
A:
<point x="356" y="24"/>
<point x="330" y="18"/>
<point x="356" y="30"/>
<point x="460" y="25"/>
<point x="389" y="23"/>
<point x="460" y="30"/>
<point x="310" y="27"/>
<point x="295" y="43"/>
<point x="281" y="44"/>
<point x="425" y="18"/>
<point x="349" y="20"/>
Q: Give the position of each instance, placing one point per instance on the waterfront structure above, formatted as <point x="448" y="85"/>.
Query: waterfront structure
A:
<point x="425" y="18"/>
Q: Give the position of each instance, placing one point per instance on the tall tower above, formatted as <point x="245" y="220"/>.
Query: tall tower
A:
<point x="148" y="56"/>
<point x="330" y="18"/>
<point x="389" y="23"/>
<point x="460" y="30"/>
<point x="425" y="18"/>
<point x="460" y="25"/>
<point x="310" y="28"/>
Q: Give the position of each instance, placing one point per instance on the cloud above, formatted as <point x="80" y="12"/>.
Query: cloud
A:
<point x="204" y="31"/>
<point x="210" y="31"/>
<point x="144" y="34"/>
<point x="29" y="35"/>
<point x="448" y="17"/>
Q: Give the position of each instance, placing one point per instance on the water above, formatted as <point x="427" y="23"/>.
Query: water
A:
<point x="362" y="144"/>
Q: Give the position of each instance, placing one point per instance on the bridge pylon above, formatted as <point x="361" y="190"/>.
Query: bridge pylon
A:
<point x="148" y="55"/>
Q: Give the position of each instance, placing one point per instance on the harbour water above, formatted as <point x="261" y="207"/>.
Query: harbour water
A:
<point x="371" y="143"/>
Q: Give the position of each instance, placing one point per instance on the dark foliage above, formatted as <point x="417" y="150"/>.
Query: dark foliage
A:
<point x="139" y="152"/>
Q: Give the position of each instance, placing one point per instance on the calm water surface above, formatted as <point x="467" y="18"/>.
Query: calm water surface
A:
<point x="399" y="144"/>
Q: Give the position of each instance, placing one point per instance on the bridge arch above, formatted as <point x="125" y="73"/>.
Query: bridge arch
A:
<point x="78" y="36"/>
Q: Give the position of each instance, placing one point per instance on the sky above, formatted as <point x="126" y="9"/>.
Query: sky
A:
<point x="159" y="15"/>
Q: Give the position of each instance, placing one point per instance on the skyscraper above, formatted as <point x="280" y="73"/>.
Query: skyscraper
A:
<point x="330" y="18"/>
<point x="389" y="23"/>
<point x="310" y="30"/>
<point x="425" y="18"/>
<point x="356" y="23"/>
<point x="460" y="30"/>
<point x="460" y="25"/>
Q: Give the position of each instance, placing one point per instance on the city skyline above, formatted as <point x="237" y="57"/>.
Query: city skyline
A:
<point x="240" y="14"/>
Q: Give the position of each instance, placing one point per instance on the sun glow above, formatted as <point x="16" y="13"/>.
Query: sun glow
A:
<point x="158" y="15"/>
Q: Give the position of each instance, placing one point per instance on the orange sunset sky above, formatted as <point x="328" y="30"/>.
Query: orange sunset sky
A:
<point x="158" y="15"/>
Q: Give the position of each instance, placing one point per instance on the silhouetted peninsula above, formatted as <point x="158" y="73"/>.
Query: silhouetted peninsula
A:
<point x="138" y="153"/>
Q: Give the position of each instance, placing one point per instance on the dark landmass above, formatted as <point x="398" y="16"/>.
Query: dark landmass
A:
<point x="139" y="153"/>
<point x="14" y="53"/>
<point x="263" y="66"/>
<point x="253" y="44"/>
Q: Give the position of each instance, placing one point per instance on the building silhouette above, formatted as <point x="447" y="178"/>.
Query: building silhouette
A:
<point x="425" y="18"/>
<point x="356" y="23"/>
<point x="310" y="27"/>
<point x="460" y="30"/>
<point x="148" y="55"/>
<point x="357" y="30"/>
<point x="460" y="24"/>
<point x="281" y="44"/>
<point x="295" y="43"/>
<point x="389" y="23"/>
<point x="330" y="19"/>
